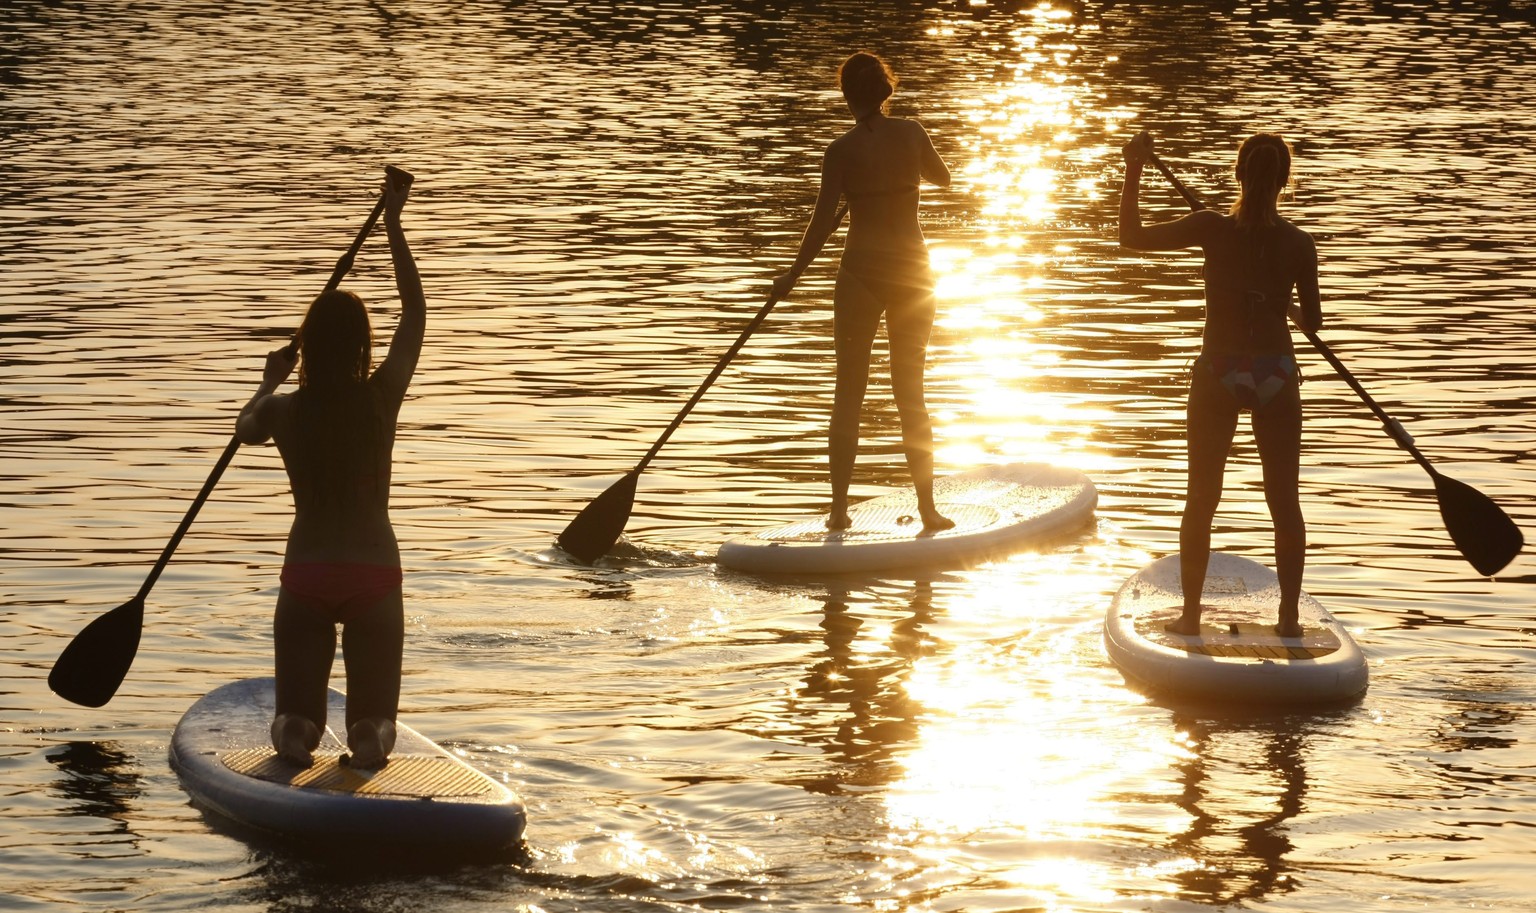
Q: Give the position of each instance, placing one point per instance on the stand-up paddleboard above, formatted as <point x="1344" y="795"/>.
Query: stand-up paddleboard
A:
<point x="424" y="798"/>
<point x="996" y="509"/>
<point x="1236" y="657"/>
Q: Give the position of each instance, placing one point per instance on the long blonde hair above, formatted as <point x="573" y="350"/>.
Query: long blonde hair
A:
<point x="1263" y="169"/>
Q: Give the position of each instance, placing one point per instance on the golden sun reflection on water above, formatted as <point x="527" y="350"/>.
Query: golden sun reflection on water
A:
<point x="1020" y="131"/>
<point x="1020" y="128"/>
<point x="999" y="751"/>
<point x="993" y="751"/>
<point x="996" y="361"/>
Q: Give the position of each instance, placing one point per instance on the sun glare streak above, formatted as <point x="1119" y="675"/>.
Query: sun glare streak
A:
<point x="1021" y="132"/>
<point x="996" y="752"/>
<point x="1002" y="764"/>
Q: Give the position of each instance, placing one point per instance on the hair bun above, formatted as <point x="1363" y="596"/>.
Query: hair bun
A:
<point x="866" y="80"/>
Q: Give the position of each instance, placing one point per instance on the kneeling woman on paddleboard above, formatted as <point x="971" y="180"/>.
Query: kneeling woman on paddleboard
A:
<point x="342" y="563"/>
<point x="877" y="166"/>
<point x="1254" y="260"/>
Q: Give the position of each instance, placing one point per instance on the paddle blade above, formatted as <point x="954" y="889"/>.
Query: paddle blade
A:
<point x="599" y="525"/>
<point x="1484" y="534"/>
<point x="97" y="660"/>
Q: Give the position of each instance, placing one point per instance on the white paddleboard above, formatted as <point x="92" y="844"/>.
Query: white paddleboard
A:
<point x="423" y="798"/>
<point x="1236" y="657"/>
<point x="996" y="509"/>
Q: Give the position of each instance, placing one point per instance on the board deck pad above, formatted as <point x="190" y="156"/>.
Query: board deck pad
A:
<point x="1249" y="639"/>
<point x="1217" y="585"/>
<point x="886" y="522"/>
<point x="1237" y="656"/>
<point x="421" y="777"/>
<point x="996" y="509"/>
<point x="1234" y="637"/>
<point x="424" y="802"/>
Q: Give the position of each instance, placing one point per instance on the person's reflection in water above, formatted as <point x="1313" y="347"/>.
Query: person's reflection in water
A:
<point x="1225" y="876"/>
<point x="99" y="780"/>
<point x="881" y="717"/>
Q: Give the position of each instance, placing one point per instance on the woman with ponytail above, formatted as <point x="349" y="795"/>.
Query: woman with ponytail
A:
<point x="877" y="166"/>
<point x="342" y="562"/>
<point x="1260" y="270"/>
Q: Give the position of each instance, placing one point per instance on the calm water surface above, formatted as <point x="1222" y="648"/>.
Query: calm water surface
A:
<point x="604" y="191"/>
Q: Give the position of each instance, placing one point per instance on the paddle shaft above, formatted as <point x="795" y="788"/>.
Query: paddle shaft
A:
<point x="343" y="266"/>
<point x="756" y="321"/>
<point x="1178" y="185"/>
<point x="1393" y="427"/>
<point x="752" y="325"/>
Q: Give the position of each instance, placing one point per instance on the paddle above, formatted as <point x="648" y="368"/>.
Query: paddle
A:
<point x="595" y="530"/>
<point x="94" y="664"/>
<point x="1482" y="532"/>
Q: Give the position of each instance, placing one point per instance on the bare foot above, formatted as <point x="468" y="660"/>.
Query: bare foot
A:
<point x="839" y="519"/>
<point x="933" y="520"/>
<point x="295" y="738"/>
<point x="1188" y="623"/>
<point x="1288" y="629"/>
<point x="371" y="741"/>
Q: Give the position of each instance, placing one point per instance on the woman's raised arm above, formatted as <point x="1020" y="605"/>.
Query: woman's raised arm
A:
<point x="405" y="347"/>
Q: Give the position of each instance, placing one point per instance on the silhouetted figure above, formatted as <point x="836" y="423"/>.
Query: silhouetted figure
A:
<point x="877" y="166"/>
<point x="1254" y="260"/>
<point x="342" y="563"/>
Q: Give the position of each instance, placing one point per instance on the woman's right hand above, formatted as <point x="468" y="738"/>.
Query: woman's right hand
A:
<point x="1139" y="150"/>
<point x="279" y="365"/>
<point x="783" y="285"/>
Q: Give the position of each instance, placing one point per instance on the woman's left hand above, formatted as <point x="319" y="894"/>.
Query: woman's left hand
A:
<point x="395" y="195"/>
<point x="1139" y="150"/>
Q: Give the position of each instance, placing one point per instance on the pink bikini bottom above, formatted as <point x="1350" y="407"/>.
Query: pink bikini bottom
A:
<point x="343" y="591"/>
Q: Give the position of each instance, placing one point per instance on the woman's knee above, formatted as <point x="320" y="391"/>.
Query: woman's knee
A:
<point x="1199" y="511"/>
<point x="851" y="384"/>
<point x="1285" y="510"/>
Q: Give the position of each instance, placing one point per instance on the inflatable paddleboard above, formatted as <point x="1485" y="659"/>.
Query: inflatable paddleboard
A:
<point x="423" y="799"/>
<point x="1237" y="657"/>
<point x="996" y="509"/>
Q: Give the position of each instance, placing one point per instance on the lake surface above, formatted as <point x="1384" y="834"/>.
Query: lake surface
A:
<point x="604" y="191"/>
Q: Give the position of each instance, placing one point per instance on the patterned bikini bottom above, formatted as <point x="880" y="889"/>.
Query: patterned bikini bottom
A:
<point x="1251" y="380"/>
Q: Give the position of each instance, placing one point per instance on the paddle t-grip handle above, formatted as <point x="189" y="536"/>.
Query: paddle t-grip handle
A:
<point x="401" y="179"/>
<point x="399" y="176"/>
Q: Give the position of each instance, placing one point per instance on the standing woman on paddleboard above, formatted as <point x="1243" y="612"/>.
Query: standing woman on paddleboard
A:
<point x="877" y="166"/>
<point x="1254" y="261"/>
<point x="342" y="563"/>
